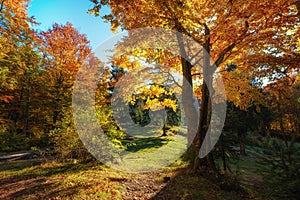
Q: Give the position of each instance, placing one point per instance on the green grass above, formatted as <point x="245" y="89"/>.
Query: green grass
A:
<point x="188" y="186"/>
<point x="144" y="154"/>
<point x="68" y="180"/>
<point x="73" y="180"/>
<point x="140" y="144"/>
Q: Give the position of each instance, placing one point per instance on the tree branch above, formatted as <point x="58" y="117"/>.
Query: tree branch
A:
<point x="1" y="8"/>
<point x="222" y="55"/>
<point x="197" y="74"/>
<point x="198" y="61"/>
<point x="2" y="5"/>
<point x="230" y="47"/>
<point x="173" y="79"/>
<point x="196" y="54"/>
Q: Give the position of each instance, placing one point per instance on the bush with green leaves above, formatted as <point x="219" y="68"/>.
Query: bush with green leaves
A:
<point x="282" y="168"/>
<point x="108" y="124"/>
<point x="66" y="141"/>
<point x="11" y="140"/>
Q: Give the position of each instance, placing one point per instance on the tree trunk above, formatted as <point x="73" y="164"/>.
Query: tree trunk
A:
<point x="164" y="131"/>
<point x="26" y="112"/>
<point x="204" y="120"/>
<point x="205" y="110"/>
<point x="241" y="142"/>
<point x="196" y="130"/>
<point x="223" y="153"/>
<point x="187" y="91"/>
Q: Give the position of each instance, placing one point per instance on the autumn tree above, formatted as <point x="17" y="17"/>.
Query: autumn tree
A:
<point x="65" y="50"/>
<point x="228" y="30"/>
<point x="14" y="31"/>
<point x="20" y="63"/>
<point x="281" y="144"/>
<point x="155" y="97"/>
<point x="282" y="62"/>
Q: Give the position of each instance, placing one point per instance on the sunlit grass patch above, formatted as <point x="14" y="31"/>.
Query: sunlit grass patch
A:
<point x="63" y="180"/>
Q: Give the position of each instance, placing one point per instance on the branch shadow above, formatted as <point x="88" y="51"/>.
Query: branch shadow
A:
<point x="186" y="185"/>
<point x="36" y="183"/>
<point x="35" y="188"/>
<point x="139" y="144"/>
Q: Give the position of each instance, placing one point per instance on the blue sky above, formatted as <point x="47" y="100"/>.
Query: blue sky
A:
<point x="48" y="12"/>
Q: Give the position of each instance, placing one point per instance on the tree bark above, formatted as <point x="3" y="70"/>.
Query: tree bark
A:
<point x="1" y="7"/>
<point x="223" y="153"/>
<point x="205" y="109"/>
<point x="26" y="112"/>
<point x="187" y="89"/>
<point x="241" y="142"/>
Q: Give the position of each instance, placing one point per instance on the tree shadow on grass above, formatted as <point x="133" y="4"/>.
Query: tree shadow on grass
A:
<point x="139" y="144"/>
<point x="35" y="188"/>
<point x="34" y="180"/>
<point x="186" y="185"/>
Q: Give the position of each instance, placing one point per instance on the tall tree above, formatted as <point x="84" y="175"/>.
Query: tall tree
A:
<point x="228" y="31"/>
<point x="20" y="64"/>
<point x="65" y="50"/>
<point x="14" y="30"/>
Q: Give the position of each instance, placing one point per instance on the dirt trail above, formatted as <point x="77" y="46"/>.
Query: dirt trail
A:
<point x="139" y="186"/>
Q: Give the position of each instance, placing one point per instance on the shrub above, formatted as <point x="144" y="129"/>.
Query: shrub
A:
<point x="10" y="139"/>
<point x="282" y="174"/>
<point x="66" y="141"/>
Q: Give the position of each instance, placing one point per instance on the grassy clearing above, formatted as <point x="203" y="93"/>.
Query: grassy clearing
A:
<point x="35" y="180"/>
<point x="144" y="154"/>
<point x="71" y="180"/>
